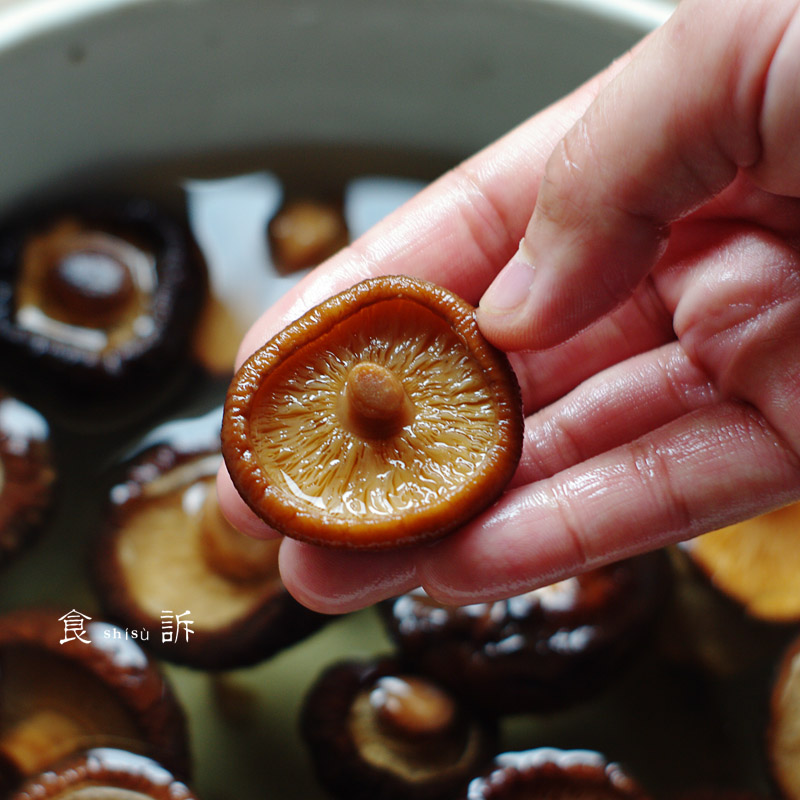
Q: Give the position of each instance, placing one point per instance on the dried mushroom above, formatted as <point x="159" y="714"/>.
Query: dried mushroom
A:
<point x="381" y="417"/>
<point x="375" y="730"/>
<point x="98" y="296"/>
<point x="550" y="773"/>
<point x="27" y="474"/>
<point x="167" y="562"/>
<point x="105" y="773"/>
<point x="68" y="682"/>
<point x="784" y="725"/>
<point x="756" y="563"/>
<point x="540" y="651"/>
<point x="304" y="232"/>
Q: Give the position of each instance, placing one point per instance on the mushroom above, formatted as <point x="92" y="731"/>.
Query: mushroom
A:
<point x="756" y="563"/>
<point x="549" y="772"/>
<point x="375" y="730"/>
<point x="380" y="418"/>
<point x="167" y="562"/>
<point x="784" y="723"/>
<point x="304" y="232"/>
<point x="68" y="682"/>
<point x="105" y="773"/>
<point x="540" y="651"/>
<point x="98" y="297"/>
<point x="27" y="474"/>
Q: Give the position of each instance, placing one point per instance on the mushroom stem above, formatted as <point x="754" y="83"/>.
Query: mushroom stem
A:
<point x="411" y="706"/>
<point x="376" y="404"/>
<point x="232" y="554"/>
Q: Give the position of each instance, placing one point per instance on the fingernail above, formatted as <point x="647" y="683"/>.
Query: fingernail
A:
<point x="511" y="287"/>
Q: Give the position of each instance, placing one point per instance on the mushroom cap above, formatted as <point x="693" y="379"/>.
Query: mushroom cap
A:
<point x="783" y="738"/>
<point x="326" y="454"/>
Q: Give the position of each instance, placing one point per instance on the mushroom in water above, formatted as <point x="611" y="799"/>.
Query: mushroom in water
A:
<point x="165" y="546"/>
<point x="375" y="730"/>
<point x="380" y="418"/>
<point x="64" y="688"/>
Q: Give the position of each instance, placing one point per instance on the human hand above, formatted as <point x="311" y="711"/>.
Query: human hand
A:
<point x="657" y="337"/>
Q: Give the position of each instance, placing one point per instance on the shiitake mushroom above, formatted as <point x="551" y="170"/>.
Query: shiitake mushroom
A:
<point x="27" y="474"/>
<point x="98" y="298"/>
<point x="548" y="773"/>
<point x="104" y="773"/>
<point x="65" y="688"/>
<point x="167" y="562"/>
<point x="783" y="735"/>
<point x="540" y="651"/>
<point x="380" y="418"/>
<point x="374" y="729"/>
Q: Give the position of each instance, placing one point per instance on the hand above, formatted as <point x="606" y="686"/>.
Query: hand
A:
<point x="653" y="307"/>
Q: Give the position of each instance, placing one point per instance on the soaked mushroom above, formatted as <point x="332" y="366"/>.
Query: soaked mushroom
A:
<point x="304" y="232"/>
<point x="756" y="563"/>
<point x="167" y="562"/>
<point x="27" y="474"/>
<point x="784" y="724"/>
<point x="98" y="297"/>
<point x="540" y="651"/>
<point x="105" y="773"/>
<point x="375" y="730"/>
<point x="68" y="682"/>
<point x="550" y="773"/>
<point x="380" y="418"/>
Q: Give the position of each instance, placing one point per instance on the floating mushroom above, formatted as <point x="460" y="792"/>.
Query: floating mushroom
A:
<point x="68" y="682"/>
<point x="756" y="563"/>
<point x="380" y="418"/>
<point x="375" y="730"/>
<point x="27" y="474"/>
<point x="548" y="772"/>
<point x="784" y="724"/>
<point x="98" y="297"/>
<point x="540" y="651"/>
<point x="168" y="562"/>
<point x="105" y="774"/>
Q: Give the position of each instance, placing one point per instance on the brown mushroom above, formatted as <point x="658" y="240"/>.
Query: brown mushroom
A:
<point x="304" y="232"/>
<point x="167" y="562"/>
<point x="544" y="650"/>
<point x="756" y="563"/>
<point x="547" y="772"/>
<point x="784" y="724"/>
<point x="381" y="417"/>
<point x="375" y="730"/>
<point x="105" y="773"/>
<point x="27" y="474"/>
<point x="68" y="682"/>
<point x="98" y="297"/>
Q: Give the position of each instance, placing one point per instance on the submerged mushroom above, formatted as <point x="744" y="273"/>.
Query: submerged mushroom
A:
<point x="551" y="773"/>
<point x="27" y="474"/>
<point x="98" y="297"/>
<point x="68" y="682"/>
<point x="167" y="562"/>
<point x="375" y="730"/>
<point x="540" y="651"/>
<point x="756" y="563"/>
<point x="105" y="773"/>
<point x="381" y="417"/>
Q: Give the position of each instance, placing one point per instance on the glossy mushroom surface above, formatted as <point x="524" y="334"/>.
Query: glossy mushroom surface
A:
<point x="27" y="474"/>
<point x="105" y="773"/>
<point x="756" y="563"/>
<point x="783" y="739"/>
<point x="380" y="418"/>
<point x="68" y="682"/>
<point x="555" y="775"/>
<point x="97" y="295"/>
<point x="540" y="651"/>
<point x="375" y="730"/>
<point x="168" y="562"/>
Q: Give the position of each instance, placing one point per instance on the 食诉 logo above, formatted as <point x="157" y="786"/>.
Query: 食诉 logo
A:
<point x="174" y="628"/>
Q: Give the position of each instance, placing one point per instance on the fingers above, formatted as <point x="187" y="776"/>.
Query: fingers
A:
<point x="669" y="133"/>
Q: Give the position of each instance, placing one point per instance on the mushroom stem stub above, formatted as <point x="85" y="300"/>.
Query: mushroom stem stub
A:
<point x="411" y="706"/>
<point x="376" y="403"/>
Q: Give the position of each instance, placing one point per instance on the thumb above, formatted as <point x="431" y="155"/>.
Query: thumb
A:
<point x="666" y="135"/>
